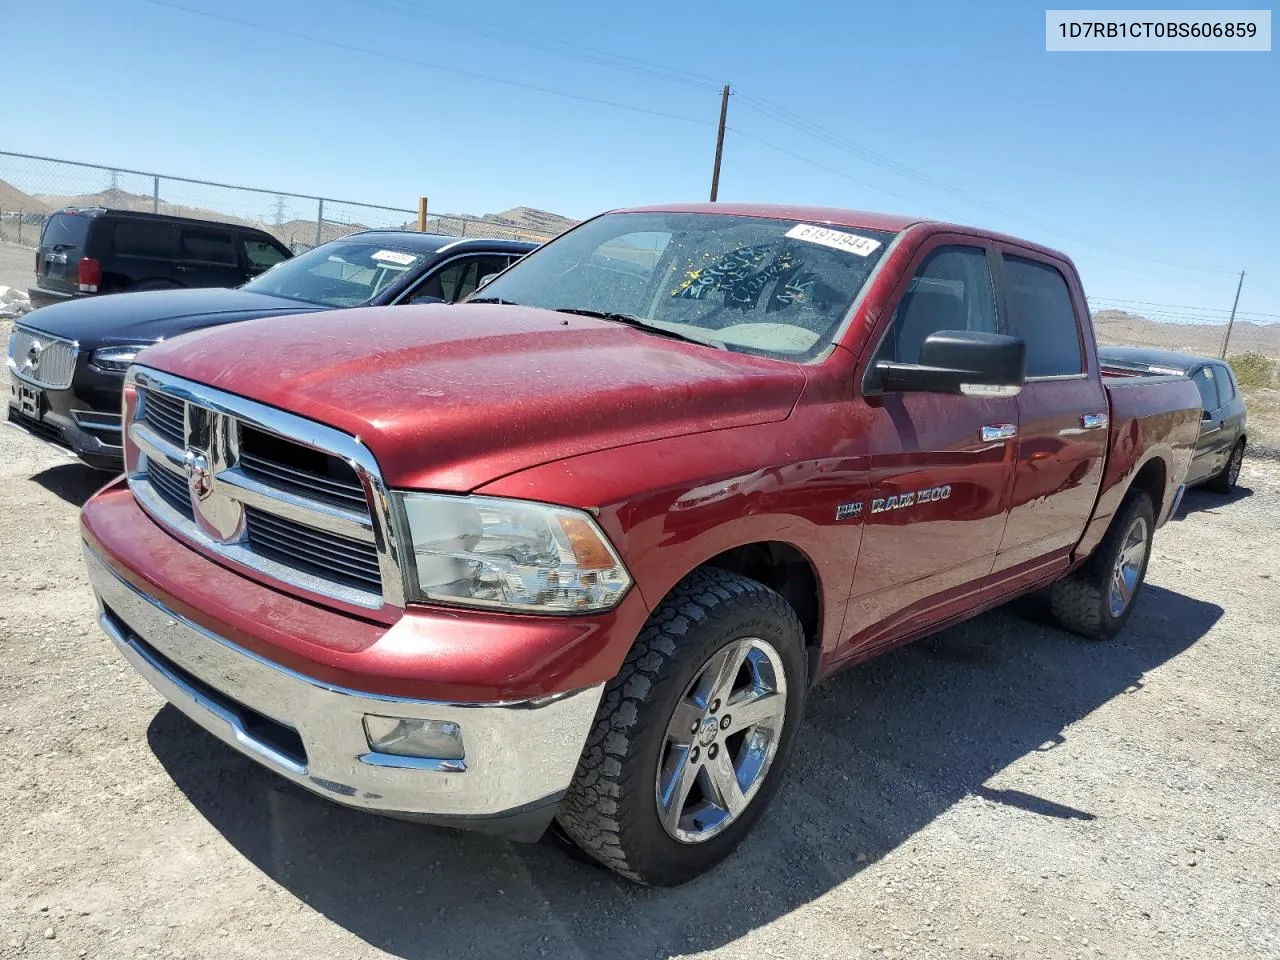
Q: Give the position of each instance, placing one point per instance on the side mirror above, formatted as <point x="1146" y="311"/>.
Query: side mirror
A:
<point x="958" y="361"/>
<point x="1206" y="415"/>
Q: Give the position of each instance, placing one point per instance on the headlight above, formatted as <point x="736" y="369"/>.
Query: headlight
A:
<point x="509" y="554"/>
<point x="115" y="359"/>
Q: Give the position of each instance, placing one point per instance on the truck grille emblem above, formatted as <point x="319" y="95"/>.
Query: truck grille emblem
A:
<point x="196" y="465"/>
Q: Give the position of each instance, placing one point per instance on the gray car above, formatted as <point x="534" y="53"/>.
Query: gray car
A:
<point x="1220" y="448"/>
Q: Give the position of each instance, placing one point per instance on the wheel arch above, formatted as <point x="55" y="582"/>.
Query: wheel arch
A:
<point x="784" y="568"/>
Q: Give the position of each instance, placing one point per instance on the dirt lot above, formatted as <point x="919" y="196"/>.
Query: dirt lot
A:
<point x="1001" y="790"/>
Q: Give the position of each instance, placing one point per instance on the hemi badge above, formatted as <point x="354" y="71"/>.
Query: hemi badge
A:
<point x="846" y="510"/>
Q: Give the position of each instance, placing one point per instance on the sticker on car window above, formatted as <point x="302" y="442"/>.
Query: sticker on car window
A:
<point x="392" y="256"/>
<point x="837" y="239"/>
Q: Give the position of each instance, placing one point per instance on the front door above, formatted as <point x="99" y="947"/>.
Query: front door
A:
<point x="1063" y="413"/>
<point x="940" y="471"/>
<point x="1210" y="446"/>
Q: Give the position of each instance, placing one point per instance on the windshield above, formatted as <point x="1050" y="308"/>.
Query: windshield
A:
<point x="776" y="287"/>
<point x="343" y="273"/>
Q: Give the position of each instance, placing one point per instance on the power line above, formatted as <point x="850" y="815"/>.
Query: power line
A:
<point x="1172" y="307"/>
<point x="839" y="173"/>
<point x="825" y="135"/>
<point x="546" y="43"/>
<point x="475" y="75"/>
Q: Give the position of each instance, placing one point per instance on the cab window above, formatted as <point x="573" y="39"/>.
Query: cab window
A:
<point x="1041" y="313"/>
<point x="951" y="290"/>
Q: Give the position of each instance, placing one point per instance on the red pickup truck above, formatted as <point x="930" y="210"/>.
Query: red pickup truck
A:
<point x="578" y="548"/>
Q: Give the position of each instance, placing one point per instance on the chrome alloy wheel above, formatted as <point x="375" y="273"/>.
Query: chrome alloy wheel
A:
<point x="721" y="740"/>
<point x="1128" y="566"/>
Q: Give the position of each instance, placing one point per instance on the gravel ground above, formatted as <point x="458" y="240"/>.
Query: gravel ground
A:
<point x="17" y="266"/>
<point x="1000" y="790"/>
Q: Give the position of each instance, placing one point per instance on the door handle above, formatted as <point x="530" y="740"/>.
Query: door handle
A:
<point x="1094" y="421"/>
<point x="998" y="431"/>
<point x="181" y="269"/>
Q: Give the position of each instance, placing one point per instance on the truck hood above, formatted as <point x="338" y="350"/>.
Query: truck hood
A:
<point x="153" y="315"/>
<point x="452" y="397"/>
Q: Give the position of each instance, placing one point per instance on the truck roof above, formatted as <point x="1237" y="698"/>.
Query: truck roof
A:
<point x="864" y="219"/>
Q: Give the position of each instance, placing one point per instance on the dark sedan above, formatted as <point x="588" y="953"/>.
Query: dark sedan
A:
<point x="1220" y="449"/>
<point x="67" y="361"/>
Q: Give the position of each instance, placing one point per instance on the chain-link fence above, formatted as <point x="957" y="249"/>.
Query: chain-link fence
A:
<point x="32" y="187"/>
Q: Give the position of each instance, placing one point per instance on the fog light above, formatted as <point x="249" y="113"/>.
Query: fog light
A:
<point x="437" y="739"/>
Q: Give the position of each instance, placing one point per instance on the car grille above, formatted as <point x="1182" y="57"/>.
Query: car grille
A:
<point x="172" y="489"/>
<point x="221" y="471"/>
<point x="41" y="359"/>
<point x="166" y="415"/>
<point x="307" y="473"/>
<point x="313" y="551"/>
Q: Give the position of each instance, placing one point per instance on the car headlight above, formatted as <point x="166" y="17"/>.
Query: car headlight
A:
<point x="509" y="554"/>
<point x="115" y="359"/>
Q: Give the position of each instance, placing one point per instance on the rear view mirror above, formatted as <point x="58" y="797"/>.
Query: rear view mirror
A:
<point x="486" y="278"/>
<point x="958" y="361"/>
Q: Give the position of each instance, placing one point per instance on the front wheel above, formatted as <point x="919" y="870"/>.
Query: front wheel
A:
<point x="1098" y="598"/>
<point x="692" y="737"/>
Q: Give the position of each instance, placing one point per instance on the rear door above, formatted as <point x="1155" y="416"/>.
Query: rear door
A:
<point x="62" y="244"/>
<point x="207" y="257"/>
<point x="137" y="252"/>
<point x="1214" y="438"/>
<point x="1063" y="413"/>
<point x="941" y="463"/>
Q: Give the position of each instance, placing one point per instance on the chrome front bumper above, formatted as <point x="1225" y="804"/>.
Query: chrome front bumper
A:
<point x="519" y="756"/>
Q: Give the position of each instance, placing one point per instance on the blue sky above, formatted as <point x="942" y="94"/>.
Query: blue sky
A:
<point x="944" y="109"/>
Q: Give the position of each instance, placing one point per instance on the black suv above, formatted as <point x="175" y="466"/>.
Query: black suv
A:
<point x="67" y="361"/>
<point x="90" y="250"/>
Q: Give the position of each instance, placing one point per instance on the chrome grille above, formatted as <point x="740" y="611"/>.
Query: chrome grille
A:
<point x="41" y="359"/>
<point x="313" y="551"/>
<point x="307" y="473"/>
<point x="172" y="489"/>
<point x="229" y="475"/>
<point x="166" y="415"/>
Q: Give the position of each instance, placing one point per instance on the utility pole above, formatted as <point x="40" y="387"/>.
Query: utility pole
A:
<point x="1232" y="318"/>
<point x="715" y="172"/>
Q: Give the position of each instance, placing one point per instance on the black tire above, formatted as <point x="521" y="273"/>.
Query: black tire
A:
<point x="611" y="809"/>
<point x="1083" y="602"/>
<point x="1224" y="481"/>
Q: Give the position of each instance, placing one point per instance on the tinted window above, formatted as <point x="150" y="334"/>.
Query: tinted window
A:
<point x="1206" y="382"/>
<point x="138" y="238"/>
<point x="1040" y="312"/>
<point x="1226" y="384"/>
<point x="65" y="230"/>
<point x="259" y="253"/>
<point x="951" y="291"/>
<point x="208" y="246"/>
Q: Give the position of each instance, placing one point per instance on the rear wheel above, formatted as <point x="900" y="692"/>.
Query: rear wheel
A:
<point x="692" y="737"/>
<point x="1225" y="480"/>
<point x="1097" y="599"/>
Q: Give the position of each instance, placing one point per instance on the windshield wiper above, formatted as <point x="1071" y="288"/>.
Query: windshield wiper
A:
<point x="639" y="324"/>
<point x="507" y="303"/>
